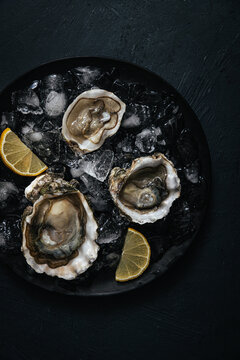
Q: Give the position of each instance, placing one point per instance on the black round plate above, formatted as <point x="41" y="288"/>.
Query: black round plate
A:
<point x="103" y="283"/>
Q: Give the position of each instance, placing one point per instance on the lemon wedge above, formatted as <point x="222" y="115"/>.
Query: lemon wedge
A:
<point x="18" y="157"/>
<point x="135" y="256"/>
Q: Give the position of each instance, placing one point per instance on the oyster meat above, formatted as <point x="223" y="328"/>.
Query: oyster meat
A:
<point x="145" y="191"/>
<point x="59" y="230"/>
<point x="91" y="118"/>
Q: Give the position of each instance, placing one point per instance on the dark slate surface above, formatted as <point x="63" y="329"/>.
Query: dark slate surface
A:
<point x="193" y="311"/>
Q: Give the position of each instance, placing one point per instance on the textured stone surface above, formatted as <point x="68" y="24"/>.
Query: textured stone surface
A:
<point x="193" y="311"/>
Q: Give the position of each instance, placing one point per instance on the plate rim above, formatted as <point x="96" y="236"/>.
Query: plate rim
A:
<point x="186" y="244"/>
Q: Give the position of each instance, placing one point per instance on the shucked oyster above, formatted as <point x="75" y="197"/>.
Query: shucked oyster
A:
<point x="91" y="118"/>
<point x="59" y="231"/>
<point x="145" y="191"/>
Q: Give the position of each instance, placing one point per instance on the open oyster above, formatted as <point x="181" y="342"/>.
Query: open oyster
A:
<point x="59" y="231"/>
<point x="91" y="118"/>
<point x="145" y="191"/>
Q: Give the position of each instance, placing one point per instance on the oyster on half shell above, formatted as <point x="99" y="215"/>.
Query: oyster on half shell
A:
<point x="91" y="118"/>
<point x="145" y="192"/>
<point x="59" y="230"/>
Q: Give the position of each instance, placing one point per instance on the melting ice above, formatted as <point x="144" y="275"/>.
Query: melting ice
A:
<point x="98" y="165"/>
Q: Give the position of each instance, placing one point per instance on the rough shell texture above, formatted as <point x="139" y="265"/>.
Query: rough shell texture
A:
<point x="48" y="182"/>
<point x="86" y="145"/>
<point x="87" y="252"/>
<point x="118" y="178"/>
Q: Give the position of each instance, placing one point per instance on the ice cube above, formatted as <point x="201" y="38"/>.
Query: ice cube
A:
<point x="27" y="102"/>
<point x="131" y="122"/>
<point x="34" y="84"/>
<point x="146" y="140"/>
<point x="125" y="145"/>
<point x="191" y="172"/>
<point x="4" y="121"/>
<point x="44" y="125"/>
<point x="76" y="171"/>
<point x="54" y="82"/>
<point x="73" y="85"/>
<point x="46" y="145"/>
<point x="98" y="165"/>
<point x="162" y="142"/>
<point x="78" y="166"/>
<point x="121" y="88"/>
<point x="97" y="192"/>
<point x="109" y="232"/>
<point x="107" y="78"/>
<point x="12" y="199"/>
<point x="27" y="128"/>
<point x="158" y="131"/>
<point x="10" y="235"/>
<point x="36" y="136"/>
<point x="172" y="127"/>
<point x="55" y="103"/>
<point x="143" y="112"/>
<point x="7" y="189"/>
<point x="70" y="160"/>
<point x="86" y="74"/>
<point x="103" y="164"/>
<point x="127" y="91"/>
<point x="8" y="120"/>
<point x="41" y="124"/>
<point x="124" y="160"/>
<point x="147" y="96"/>
<point x="119" y="219"/>
<point x="68" y="157"/>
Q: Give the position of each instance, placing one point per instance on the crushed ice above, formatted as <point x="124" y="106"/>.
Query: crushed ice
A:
<point x="192" y="172"/>
<point x="27" y="102"/>
<point x="6" y="189"/>
<point x="146" y="140"/>
<point x="55" y="103"/>
<point x="10" y="235"/>
<point x="86" y="74"/>
<point x="97" y="165"/>
<point x="97" y="192"/>
<point x="54" y="82"/>
<point x="28" y="127"/>
<point x="45" y="144"/>
<point x="49" y="96"/>
<point x="108" y="233"/>
<point x="131" y="122"/>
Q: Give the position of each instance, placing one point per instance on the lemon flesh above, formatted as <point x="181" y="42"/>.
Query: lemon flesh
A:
<point x="18" y="157"/>
<point x="135" y="256"/>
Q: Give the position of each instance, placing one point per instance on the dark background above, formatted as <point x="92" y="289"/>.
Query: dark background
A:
<point x="192" y="312"/>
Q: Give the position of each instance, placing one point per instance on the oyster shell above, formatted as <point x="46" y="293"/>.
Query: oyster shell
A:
<point x="91" y="118"/>
<point x="145" y="191"/>
<point x="59" y="230"/>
